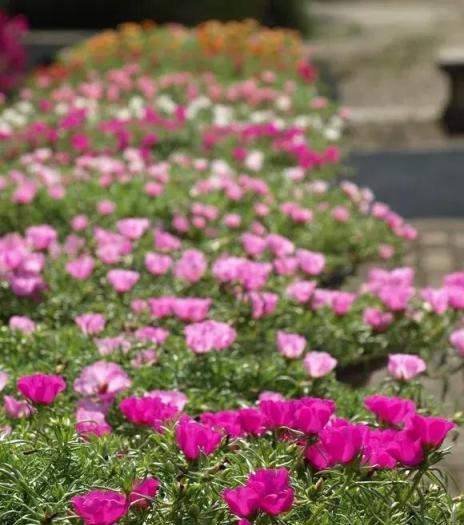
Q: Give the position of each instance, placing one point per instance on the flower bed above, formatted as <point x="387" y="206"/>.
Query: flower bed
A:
<point x="174" y="238"/>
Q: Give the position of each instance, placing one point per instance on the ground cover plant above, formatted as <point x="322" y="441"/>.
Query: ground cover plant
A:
<point x="175" y="236"/>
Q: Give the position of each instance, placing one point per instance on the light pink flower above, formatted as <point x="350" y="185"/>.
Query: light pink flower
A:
<point x="80" y="268"/>
<point x="191" y="266"/>
<point x="91" y="323"/>
<point x="290" y="345"/>
<point x="312" y="263"/>
<point x="174" y="398"/>
<point x="133" y="228"/>
<point x="405" y="367"/>
<point x="319" y="364"/>
<point x="457" y="340"/>
<point x="103" y="379"/>
<point x="4" y="377"/>
<point x="157" y="264"/>
<point x="122" y="280"/>
<point x="16" y="409"/>
<point x="22" y="324"/>
<point x="209" y="335"/>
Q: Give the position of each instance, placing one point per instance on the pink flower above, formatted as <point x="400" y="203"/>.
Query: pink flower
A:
<point x="253" y="244"/>
<point x="457" y="340"/>
<point x="108" y="345"/>
<point x="166" y="242"/>
<point x="396" y="298"/>
<point x="147" y="410"/>
<point x="312" y="263"/>
<point x="80" y="268"/>
<point x="242" y="501"/>
<point x="122" y="280"/>
<point x="22" y="324"/>
<point x="290" y="345"/>
<point x="431" y="431"/>
<point x="262" y="303"/>
<point x="194" y="439"/>
<point x="16" y="409"/>
<point x="133" y="228"/>
<point x="144" y="358"/>
<point x="378" y="320"/>
<point x="90" y="323"/>
<point x="4" y="377"/>
<point x="338" y="444"/>
<point x="91" y="419"/>
<point x="267" y="395"/>
<point x="143" y="492"/>
<point x="105" y="207"/>
<point x="41" y="389"/>
<point x="100" y="507"/>
<point x="154" y="334"/>
<point x="267" y="490"/>
<point x="157" y="264"/>
<point x="390" y="410"/>
<point x="406" y="449"/>
<point x="190" y="308"/>
<point x="405" y="367"/>
<point x="209" y="335"/>
<point x="103" y="379"/>
<point x="174" y="398"/>
<point x="437" y="299"/>
<point x="341" y="214"/>
<point x="79" y="223"/>
<point x="319" y="364"/>
<point x="273" y="490"/>
<point x="41" y="237"/>
<point x="341" y="302"/>
<point x="301" y="291"/>
<point x="191" y="266"/>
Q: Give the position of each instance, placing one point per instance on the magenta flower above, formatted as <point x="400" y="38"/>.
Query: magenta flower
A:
<point x="122" y="280"/>
<point x="242" y="501"/>
<point x="90" y="323"/>
<point x="194" y="439"/>
<point x="405" y="367"/>
<point x="149" y="411"/>
<point x="290" y="345"/>
<point x="431" y="431"/>
<point x="41" y="389"/>
<point x="103" y="379"/>
<point x="338" y="444"/>
<point x="390" y="410"/>
<point x="91" y="419"/>
<point x="319" y="364"/>
<point x="100" y="507"/>
<point x="267" y="491"/>
<point x="143" y="492"/>
<point x="206" y="336"/>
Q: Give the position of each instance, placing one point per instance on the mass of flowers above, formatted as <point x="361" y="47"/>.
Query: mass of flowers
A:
<point x="178" y="322"/>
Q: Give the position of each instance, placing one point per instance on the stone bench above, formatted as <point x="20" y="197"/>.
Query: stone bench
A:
<point x="451" y="62"/>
